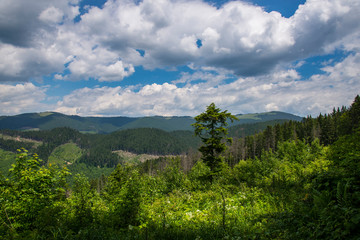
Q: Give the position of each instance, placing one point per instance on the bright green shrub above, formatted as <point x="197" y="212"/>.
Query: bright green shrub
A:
<point x="173" y="176"/>
<point x="30" y="191"/>
<point x="84" y="207"/>
<point x="124" y="196"/>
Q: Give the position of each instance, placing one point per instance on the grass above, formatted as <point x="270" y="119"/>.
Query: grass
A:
<point x="89" y="132"/>
<point x="68" y="154"/>
<point x="20" y="139"/>
<point x="133" y="158"/>
<point x="45" y="114"/>
<point x="65" y="154"/>
<point x="253" y="116"/>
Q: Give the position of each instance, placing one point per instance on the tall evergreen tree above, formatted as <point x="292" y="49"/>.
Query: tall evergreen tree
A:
<point x="210" y="127"/>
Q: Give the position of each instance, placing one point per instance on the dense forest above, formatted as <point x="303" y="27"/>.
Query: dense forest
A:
<point x="293" y="180"/>
<point x="98" y="149"/>
<point x="102" y="125"/>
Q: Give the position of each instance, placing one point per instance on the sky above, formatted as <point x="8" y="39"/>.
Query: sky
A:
<point x="175" y="57"/>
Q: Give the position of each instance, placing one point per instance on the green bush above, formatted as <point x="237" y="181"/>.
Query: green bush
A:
<point x="30" y="191"/>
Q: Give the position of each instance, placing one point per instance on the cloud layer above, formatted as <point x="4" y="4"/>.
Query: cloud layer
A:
<point x="21" y="98"/>
<point x="238" y="36"/>
<point x="107" y="44"/>
<point x="277" y="91"/>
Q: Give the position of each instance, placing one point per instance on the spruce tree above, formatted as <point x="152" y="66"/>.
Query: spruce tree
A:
<point x="210" y="127"/>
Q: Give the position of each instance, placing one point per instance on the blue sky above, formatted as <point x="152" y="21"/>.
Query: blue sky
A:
<point x="175" y="57"/>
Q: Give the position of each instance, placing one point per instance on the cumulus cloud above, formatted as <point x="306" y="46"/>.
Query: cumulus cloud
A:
<point x="51" y="15"/>
<point x="28" y="31"/>
<point x="207" y="76"/>
<point x="22" y="21"/>
<point x="321" y="26"/>
<point x="40" y="38"/>
<point x="19" y="98"/>
<point x="238" y="36"/>
<point x="20" y="64"/>
<point x="105" y="43"/>
<point x="100" y="64"/>
<point x="279" y="91"/>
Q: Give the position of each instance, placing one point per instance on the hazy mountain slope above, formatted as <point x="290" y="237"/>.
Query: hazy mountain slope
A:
<point x="164" y="123"/>
<point x="86" y="124"/>
<point x="246" y="129"/>
<point x="61" y="145"/>
<point x="184" y="123"/>
<point x="50" y="120"/>
<point x="263" y="117"/>
<point x="148" y="140"/>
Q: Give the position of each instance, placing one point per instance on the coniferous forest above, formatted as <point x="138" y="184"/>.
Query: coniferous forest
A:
<point x="292" y="180"/>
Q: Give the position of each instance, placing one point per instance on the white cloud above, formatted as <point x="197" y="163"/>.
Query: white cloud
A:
<point x="208" y="76"/>
<point x="20" y="64"/>
<point x="19" y="98"/>
<point x="322" y="26"/>
<point x="22" y="20"/>
<point x="283" y="90"/>
<point x="98" y="63"/>
<point x="348" y="69"/>
<point x="237" y="36"/>
<point x="51" y="15"/>
<point x="232" y="37"/>
<point x="28" y="30"/>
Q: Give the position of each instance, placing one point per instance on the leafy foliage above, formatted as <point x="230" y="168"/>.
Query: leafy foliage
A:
<point x="30" y="191"/>
<point x="7" y="158"/>
<point x="304" y="186"/>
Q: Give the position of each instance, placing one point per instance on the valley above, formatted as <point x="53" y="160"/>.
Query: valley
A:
<point x="277" y="176"/>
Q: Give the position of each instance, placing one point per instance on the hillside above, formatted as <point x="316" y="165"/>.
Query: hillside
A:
<point x="50" y="120"/>
<point x="295" y="180"/>
<point x="70" y="147"/>
<point x="86" y="152"/>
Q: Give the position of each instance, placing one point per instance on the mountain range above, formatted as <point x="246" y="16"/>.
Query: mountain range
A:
<point x="50" y="120"/>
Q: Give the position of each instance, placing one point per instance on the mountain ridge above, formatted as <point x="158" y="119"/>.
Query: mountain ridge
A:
<point x="50" y="120"/>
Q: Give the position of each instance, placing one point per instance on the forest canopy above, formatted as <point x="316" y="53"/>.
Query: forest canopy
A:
<point x="296" y="180"/>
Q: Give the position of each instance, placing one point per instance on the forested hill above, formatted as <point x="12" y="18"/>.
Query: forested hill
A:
<point x="51" y="120"/>
<point x="97" y="149"/>
<point x="294" y="180"/>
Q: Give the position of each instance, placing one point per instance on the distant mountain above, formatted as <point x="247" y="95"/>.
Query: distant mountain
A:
<point x="50" y="120"/>
<point x="164" y="123"/>
<point x="267" y="116"/>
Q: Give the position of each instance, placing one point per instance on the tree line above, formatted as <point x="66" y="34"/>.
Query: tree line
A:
<point x="327" y="128"/>
<point x="303" y="188"/>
